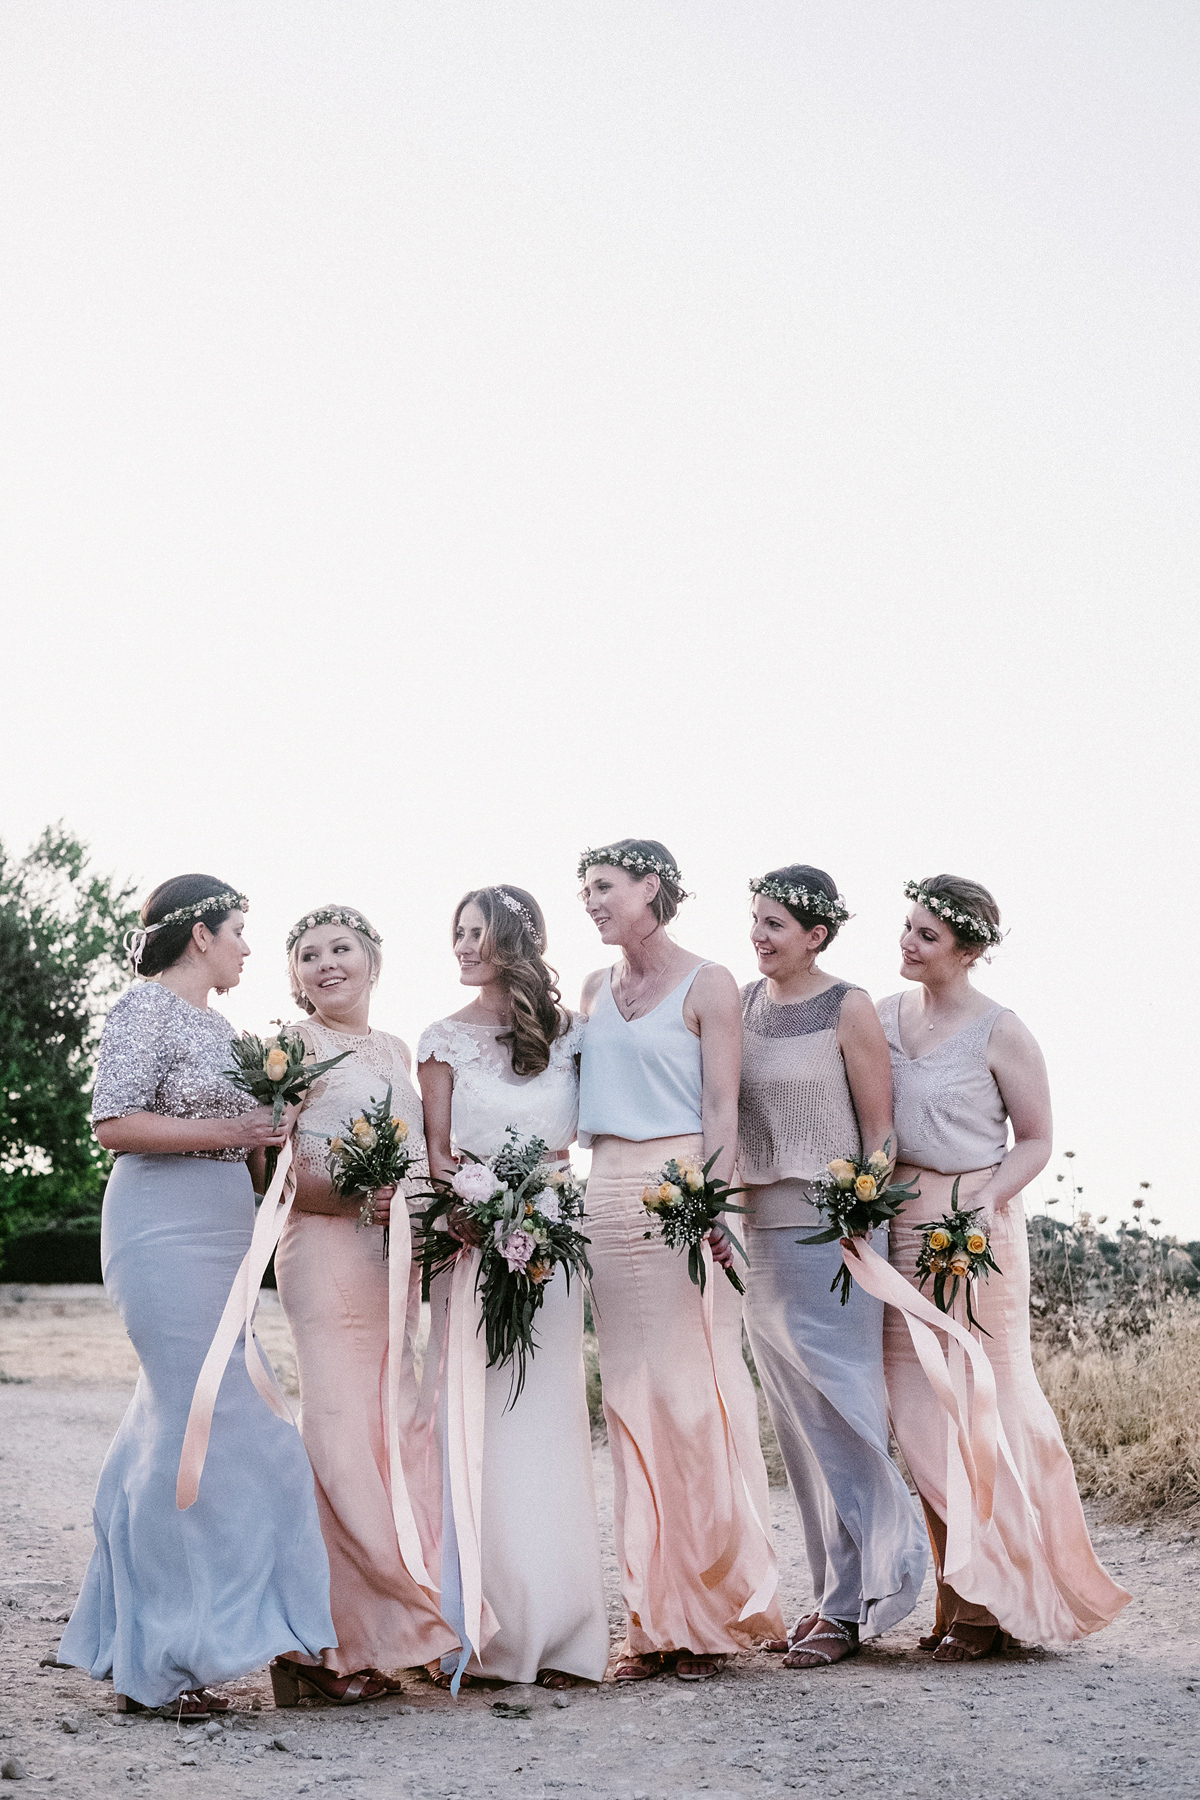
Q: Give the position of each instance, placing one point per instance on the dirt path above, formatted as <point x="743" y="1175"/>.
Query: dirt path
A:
<point x="1118" y="1712"/>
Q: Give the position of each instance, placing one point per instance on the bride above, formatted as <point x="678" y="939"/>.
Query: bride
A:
<point x="520" y="1554"/>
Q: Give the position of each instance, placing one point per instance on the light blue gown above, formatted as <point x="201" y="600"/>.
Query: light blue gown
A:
<point x="174" y="1601"/>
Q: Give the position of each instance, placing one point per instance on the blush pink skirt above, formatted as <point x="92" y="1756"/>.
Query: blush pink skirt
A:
<point x="697" y="1566"/>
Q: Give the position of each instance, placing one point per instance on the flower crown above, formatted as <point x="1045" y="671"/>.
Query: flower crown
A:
<point x="521" y="912"/>
<point x="332" y="915"/>
<point x="225" y="901"/>
<point x="836" y="911"/>
<point x="970" y="924"/>
<point x="633" y="860"/>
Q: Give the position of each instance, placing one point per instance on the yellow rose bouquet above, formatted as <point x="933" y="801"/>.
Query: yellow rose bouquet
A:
<point x="855" y="1197"/>
<point x="687" y="1203"/>
<point x="956" y="1250"/>
<point x="275" y="1073"/>
<point x="370" y="1151"/>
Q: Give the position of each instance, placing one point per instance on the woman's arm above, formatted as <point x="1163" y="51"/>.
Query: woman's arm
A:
<point x="437" y="1095"/>
<point x="154" y="1134"/>
<point x="717" y="1007"/>
<point x="1020" y="1070"/>
<point x="868" y="1070"/>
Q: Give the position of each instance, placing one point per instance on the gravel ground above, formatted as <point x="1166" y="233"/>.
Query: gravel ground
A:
<point x="1118" y="1712"/>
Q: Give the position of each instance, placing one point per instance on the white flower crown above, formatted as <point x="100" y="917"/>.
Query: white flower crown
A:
<point x="633" y="860"/>
<point x="970" y="924"/>
<point x="332" y="915"/>
<point x="225" y="901"/>
<point x="836" y="911"/>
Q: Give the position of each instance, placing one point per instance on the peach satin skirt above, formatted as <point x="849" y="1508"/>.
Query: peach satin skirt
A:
<point x="333" y="1285"/>
<point x="1031" y="1566"/>
<point x="697" y="1565"/>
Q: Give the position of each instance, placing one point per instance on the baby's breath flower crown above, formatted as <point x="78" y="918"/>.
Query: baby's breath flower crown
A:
<point x="807" y="899"/>
<point x="632" y="860"/>
<point x="332" y="915"/>
<point x="970" y="924"/>
<point x="225" y="901"/>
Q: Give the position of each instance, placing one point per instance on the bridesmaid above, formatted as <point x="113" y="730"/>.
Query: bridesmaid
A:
<point x="659" y="1078"/>
<point x="817" y="1084"/>
<point x="509" y="1058"/>
<point x="963" y="1069"/>
<point x="175" y="1600"/>
<point x="334" y="1288"/>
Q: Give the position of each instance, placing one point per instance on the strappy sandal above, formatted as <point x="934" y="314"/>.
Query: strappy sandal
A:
<point x="639" y="1668"/>
<point x="834" y="1633"/>
<point x="971" y="1649"/>
<point x="557" y="1679"/>
<point x="292" y="1681"/>
<point x="191" y="1708"/>
<point x="781" y="1646"/>
<point x="703" y="1666"/>
<point x="441" y="1678"/>
<point x="931" y="1642"/>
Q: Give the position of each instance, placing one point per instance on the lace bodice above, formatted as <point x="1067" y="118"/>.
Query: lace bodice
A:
<point x="377" y="1060"/>
<point x="950" y="1116"/>
<point x="488" y="1097"/>
<point x="160" y="1054"/>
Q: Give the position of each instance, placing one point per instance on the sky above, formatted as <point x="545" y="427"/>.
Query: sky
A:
<point x="434" y="439"/>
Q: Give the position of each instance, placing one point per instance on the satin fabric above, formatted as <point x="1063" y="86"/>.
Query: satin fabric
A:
<point x="175" y="1600"/>
<point x="697" y="1566"/>
<point x="334" y="1287"/>
<point x="1022" y="1559"/>
<point x="821" y="1368"/>
<point x="521" y="1575"/>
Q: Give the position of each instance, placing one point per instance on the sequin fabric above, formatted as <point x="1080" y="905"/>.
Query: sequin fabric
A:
<point x="158" y="1054"/>
<point x="794" y="1108"/>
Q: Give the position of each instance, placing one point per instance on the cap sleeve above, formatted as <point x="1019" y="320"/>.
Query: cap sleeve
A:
<point x="134" y="1055"/>
<point x="447" y="1043"/>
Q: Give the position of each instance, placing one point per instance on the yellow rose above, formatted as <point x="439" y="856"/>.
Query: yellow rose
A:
<point x="365" y="1136"/>
<point x="939" y="1239"/>
<point x="399" y="1130"/>
<point x="937" y="1265"/>
<point x="977" y="1243"/>
<point x="695" y="1180"/>
<point x="865" y="1187"/>
<point x="337" y="1145"/>
<point x="960" y="1263"/>
<point x="843" y="1172"/>
<point x="276" y="1064"/>
<point x="651" y="1200"/>
<point x="669" y="1194"/>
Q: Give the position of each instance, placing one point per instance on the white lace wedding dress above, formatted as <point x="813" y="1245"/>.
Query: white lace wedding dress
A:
<point x="536" y="1534"/>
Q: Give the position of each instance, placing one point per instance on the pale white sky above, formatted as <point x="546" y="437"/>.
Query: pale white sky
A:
<point x="436" y="438"/>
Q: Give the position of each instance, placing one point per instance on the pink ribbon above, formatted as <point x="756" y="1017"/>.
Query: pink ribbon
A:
<point x="238" y="1316"/>
<point x="408" y="1537"/>
<point x="762" y="1596"/>
<point x="466" y="1391"/>
<point x="975" y="1435"/>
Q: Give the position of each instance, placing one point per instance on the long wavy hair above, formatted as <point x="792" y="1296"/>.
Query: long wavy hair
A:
<point x="514" y="938"/>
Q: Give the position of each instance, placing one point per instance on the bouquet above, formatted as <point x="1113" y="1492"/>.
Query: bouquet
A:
<point x="955" y="1248"/>
<point x="275" y="1073"/>
<point x="687" y="1203"/>
<point x="371" y="1151"/>
<point x="527" y="1214"/>
<point x="855" y="1197"/>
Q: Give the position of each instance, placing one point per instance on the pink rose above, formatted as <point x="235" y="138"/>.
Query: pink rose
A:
<point x="474" y="1183"/>
<point x="517" y="1249"/>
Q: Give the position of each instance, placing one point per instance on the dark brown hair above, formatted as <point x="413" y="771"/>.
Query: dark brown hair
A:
<point x="513" y="940"/>
<point x="972" y="897"/>
<point x="671" y="892"/>
<point x="165" y="946"/>
<point x="803" y="875"/>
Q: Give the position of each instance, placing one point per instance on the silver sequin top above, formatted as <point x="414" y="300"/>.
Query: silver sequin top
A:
<point x="159" y="1054"/>
<point x="795" y="1112"/>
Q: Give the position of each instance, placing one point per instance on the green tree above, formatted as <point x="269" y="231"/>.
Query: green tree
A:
<point x="60" y="959"/>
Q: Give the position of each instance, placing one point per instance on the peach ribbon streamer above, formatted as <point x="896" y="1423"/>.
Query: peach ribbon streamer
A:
<point x="238" y="1316"/>
<point x="761" y="1598"/>
<point x="466" y="1389"/>
<point x="975" y="1437"/>
<point x="408" y="1537"/>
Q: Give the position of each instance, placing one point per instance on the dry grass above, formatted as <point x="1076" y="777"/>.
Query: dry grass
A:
<point x="1129" y="1415"/>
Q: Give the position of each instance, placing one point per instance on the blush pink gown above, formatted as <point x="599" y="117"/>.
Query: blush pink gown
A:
<point x="1029" y="1568"/>
<point x="333" y="1285"/>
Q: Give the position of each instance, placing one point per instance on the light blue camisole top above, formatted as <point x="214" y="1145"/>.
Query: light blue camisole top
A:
<point x="640" y="1078"/>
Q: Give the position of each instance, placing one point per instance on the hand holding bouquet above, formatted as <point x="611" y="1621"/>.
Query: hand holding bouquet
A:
<point x="856" y="1196"/>
<point x="371" y="1151"/>
<point x="525" y="1214"/>
<point x="688" y="1203"/>
<point x="275" y="1073"/>
<point x="955" y="1249"/>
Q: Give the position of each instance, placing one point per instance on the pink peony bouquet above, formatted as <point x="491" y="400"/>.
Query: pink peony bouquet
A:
<point x="525" y="1214"/>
